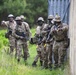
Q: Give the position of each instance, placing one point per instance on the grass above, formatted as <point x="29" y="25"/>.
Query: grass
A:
<point x="9" y="65"/>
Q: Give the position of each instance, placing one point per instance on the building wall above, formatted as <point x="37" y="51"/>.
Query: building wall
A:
<point x="72" y="34"/>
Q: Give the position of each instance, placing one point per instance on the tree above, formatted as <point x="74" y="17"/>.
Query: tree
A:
<point x="31" y="9"/>
<point x="15" y="7"/>
<point x="35" y="9"/>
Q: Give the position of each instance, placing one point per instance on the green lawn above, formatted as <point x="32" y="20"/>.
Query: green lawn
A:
<point x="9" y="65"/>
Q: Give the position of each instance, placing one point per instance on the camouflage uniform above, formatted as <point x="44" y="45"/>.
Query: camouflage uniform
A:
<point x="21" y="38"/>
<point x="47" y="47"/>
<point x="28" y="32"/>
<point x="39" y="45"/>
<point x="59" y="32"/>
<point x="11" y="26"/>
<point x="49" y="54"/>
<point x="39" y="49"/>
<point x="45" y="52"/>
<point x="49" y="42"/>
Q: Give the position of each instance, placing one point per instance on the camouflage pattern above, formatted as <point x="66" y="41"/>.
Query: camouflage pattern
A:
<point x="49" y="41"/>
<point x="21" y="41"/>
<point x="22" y="46"/>
<point x="11" y="38"/>
<point x="39" y="47"/>
<point x="28" y="34"/>
<point x="39" y="53"/>
<point x="49" y="53"/>
<point x="57" y="18"/>
<point x="60" y="42"/>
<point x="28" y="31"/>
<point x="45" y="54"/>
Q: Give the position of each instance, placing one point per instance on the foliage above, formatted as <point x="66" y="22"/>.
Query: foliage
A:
<point x="35" y="9"/>
<point x="15" y="7"/>
<point x="9" y="65"/>
<point x="31" y="9"/>
<point x="3" y="41"/>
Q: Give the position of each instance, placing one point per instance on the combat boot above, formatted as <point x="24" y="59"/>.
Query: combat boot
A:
<point x="34" y="64"/>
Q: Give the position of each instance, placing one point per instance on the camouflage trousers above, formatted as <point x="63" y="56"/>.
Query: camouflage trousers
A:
<point x="59" y="51"/>
<point x="26" y="49"/>
<point x="49" y="55"/>
<point x="12" y="44"/>
<point x="39" y="53"/>
<point x="21" y="45"/>
<point x="45" y="56"/>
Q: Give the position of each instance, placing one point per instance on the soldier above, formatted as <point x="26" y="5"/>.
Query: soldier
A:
<point x="44" y="52"/>
<point x="11" y="24"/>
<point x="40" y="22"/>
<point x="59" y="32"/>
<point x="28" y="32"/>
<point x="49" y="42"/>
<point x="21" y="38"/>
<point x="27" y="25"/>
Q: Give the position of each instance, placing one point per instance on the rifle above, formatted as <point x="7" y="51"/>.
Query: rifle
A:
<point x="9" y="32"/>
<point x="22" y="34"/>
<point x="40" y="40"/>
<point x="48" y="36"/>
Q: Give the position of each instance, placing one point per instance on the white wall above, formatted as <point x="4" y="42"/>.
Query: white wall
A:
<point x="72" y="32"/>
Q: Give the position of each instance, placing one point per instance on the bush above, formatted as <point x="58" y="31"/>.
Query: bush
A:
<point x="1" y="43"/>
<point x="3" y="40"/>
